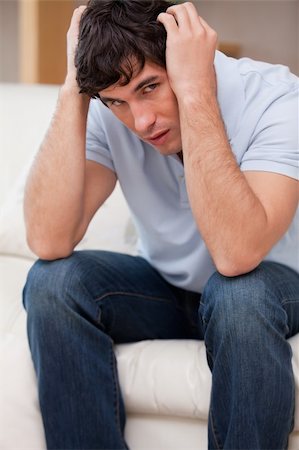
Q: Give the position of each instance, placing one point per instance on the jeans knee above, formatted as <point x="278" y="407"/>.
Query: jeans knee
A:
<point x="48" y="281"/>
<point x="243" y="305"/>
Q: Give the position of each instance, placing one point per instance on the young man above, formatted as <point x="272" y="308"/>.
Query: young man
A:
<point x="205" y="148"/>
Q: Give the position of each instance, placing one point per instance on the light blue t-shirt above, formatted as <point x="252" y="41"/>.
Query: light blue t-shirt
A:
<point x="259" y="106"/>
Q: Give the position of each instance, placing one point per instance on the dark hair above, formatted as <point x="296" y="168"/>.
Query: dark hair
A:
<point x="114" y="35"/>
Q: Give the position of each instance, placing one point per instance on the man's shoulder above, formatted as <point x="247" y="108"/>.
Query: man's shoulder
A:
<point x="107" y="138"/>
<point x="100" y="112"/>
<point x="102" y="121"/>
<point x="271" y="74"/>
<point x="253" y="72"/>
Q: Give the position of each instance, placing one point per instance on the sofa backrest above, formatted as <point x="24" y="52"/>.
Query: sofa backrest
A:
<point x="25" y="114"/>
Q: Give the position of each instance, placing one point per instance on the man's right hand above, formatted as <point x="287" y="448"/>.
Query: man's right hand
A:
<point x="72" y="42"/>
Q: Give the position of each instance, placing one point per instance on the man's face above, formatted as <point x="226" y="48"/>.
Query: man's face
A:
<point x="148" y="107"/>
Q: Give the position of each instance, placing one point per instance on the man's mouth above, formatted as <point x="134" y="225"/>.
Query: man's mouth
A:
<point x="158" y="138"/>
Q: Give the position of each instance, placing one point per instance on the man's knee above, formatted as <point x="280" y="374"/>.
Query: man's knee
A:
<point x="241" y="305"/>
<point x="48" y="281"/>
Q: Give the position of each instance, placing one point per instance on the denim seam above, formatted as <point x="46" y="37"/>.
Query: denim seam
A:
<point x="285" y="302"/>
<point x="116" y="394"/>
<point x="134" y="294"/>
<point x="214" y="430"/>
<point x="209" y="353"/>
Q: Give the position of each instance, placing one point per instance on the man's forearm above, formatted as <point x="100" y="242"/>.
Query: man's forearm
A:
<point x="55" y="188"/>
<point x="240" y="216"/>
<point x="221" y="199"/>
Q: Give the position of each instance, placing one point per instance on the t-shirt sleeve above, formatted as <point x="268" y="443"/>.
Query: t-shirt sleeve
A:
<point x="274" y="146"/>
<point x="97" y="148"/>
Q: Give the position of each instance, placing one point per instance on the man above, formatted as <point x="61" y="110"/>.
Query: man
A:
<point x="205" y="150"/>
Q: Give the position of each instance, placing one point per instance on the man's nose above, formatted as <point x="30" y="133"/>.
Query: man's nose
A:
<point x="144" y="118"/>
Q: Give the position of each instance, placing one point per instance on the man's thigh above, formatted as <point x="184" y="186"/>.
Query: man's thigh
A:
<point x="135" y="303"/>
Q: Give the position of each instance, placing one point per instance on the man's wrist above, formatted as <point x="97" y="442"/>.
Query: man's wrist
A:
<point x="70" y="90"/>
<point x="195" y="102"/>
<point x="70" y="81"/>
<point x="200" y="90"/>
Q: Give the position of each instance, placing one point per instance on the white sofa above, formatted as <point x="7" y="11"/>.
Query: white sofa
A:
<point x="166" y="384"/>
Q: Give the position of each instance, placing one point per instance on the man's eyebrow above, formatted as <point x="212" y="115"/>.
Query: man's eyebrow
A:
<point x="146" y="81"/>
<point x="139" y="86"/>
<point x="109" y="99"/>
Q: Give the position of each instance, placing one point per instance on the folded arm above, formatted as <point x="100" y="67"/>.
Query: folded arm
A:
<point x="63" y="190"/>
<point x="240" y="215"/>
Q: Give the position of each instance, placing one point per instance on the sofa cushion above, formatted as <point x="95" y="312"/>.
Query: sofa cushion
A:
<point x="19" y="413"/>
<point x="165" y="377"/>
<point x="13" y="272"/>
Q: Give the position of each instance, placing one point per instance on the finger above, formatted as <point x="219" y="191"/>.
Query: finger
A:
<point x="77" y="14"/>
<point x="205" y="25"/>
<point x="193" y="14"/>
<point x="80" y="10"/>
<point x="181" y="15"/>
<point x="210" y="33"/>
<point x="168" y="20"/>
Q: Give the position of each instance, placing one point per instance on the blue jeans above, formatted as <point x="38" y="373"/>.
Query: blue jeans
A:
<point x="79" y="307"/>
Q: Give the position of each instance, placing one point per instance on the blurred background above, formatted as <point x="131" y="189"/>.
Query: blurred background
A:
<point x="33" y="34"/>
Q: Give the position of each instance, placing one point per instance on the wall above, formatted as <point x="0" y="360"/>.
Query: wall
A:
<point x="33" y="40"/>
<point x="43" y="25"/>
<point x="266" y="29"/>
<point x="9" y="63"/>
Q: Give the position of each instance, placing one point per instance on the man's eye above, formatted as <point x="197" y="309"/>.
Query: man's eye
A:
<point x="116" y="102"/>
<point x="150" y="88"/>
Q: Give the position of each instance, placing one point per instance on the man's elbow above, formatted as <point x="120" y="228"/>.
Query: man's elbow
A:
<point x="49" y="251"/>
<point x="238" y="265"/>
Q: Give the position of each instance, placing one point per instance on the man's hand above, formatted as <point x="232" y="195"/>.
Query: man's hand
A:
<point x="190" y="50"/>
<point x="72" y="42"/>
